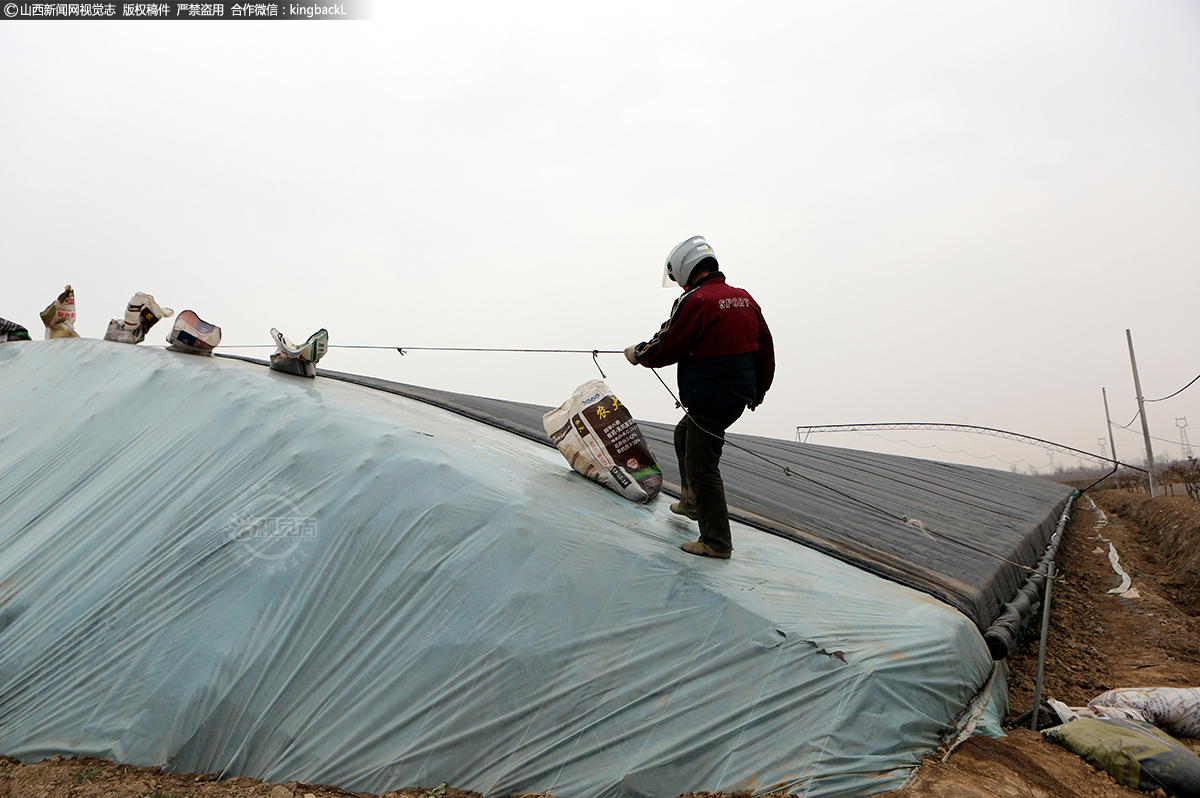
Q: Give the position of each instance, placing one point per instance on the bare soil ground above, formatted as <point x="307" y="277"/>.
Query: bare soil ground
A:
<point x="1098" y="641"/>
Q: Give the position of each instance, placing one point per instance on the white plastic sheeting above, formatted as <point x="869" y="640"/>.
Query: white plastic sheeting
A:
<point x="985" y="528"/>
<point x="214" y="567"/>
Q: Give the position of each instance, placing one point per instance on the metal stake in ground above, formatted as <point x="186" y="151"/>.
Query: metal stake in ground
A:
<point x="1037" y="686"/>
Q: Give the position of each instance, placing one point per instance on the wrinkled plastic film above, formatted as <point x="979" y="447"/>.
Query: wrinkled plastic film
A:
<point x="213" y="567"/>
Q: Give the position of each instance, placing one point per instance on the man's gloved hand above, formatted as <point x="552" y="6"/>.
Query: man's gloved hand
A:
<point x="630" y="355"/>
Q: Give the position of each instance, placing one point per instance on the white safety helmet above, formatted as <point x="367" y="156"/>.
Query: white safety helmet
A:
<point x="683" y="259"/>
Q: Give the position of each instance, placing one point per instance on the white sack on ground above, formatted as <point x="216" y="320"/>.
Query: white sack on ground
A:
<point x="213" y="567"/>
<point x="1068" y="714"/>
<point x="1174" y="709"/>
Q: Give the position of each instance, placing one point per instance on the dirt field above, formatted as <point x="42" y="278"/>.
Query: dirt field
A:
<point x="1098" y="641"/>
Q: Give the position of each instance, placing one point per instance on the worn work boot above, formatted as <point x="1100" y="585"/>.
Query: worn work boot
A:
<point x="686" y="506"/>
<point x="698" y="547"/>
<point x="682" y="508"/>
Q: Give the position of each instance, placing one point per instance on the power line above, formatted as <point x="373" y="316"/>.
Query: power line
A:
<point x="1181" y="390"/>
<point x="1136" y="416"/>
<point x="1152" y="437"/>
<point x="1162" y="399"/>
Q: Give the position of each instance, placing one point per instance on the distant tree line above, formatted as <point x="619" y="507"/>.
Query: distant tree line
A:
<point x="1171" y="477"/>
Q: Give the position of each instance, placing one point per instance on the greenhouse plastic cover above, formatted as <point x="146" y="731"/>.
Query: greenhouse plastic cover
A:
<point x="213" y="567"/>
<point x="980" y="529"/>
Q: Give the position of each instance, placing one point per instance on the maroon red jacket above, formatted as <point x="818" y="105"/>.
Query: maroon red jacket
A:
<point x="717" y="335"/>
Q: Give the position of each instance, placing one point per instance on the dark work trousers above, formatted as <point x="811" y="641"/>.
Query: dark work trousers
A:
<point x="699" y="438"/>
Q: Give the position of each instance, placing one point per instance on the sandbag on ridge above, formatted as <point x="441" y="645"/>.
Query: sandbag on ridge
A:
<point x="193" y="335"/>
<point x="141" y="314"/>
<point x="299" y="360"/>
<point x="11" y="331"/>
<point x="59" y="316"/>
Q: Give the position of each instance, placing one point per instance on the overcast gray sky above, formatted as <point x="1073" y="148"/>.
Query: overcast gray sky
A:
<point x="949" y="211"/>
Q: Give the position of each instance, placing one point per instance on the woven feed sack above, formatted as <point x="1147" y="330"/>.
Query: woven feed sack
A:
<point x="1137" y="755"/>
<point x="1175" y="709"/>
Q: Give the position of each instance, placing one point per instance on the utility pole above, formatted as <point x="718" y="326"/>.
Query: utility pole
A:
<point x="1112" y="444"/>
<point x="1101" y="442"/>
<point x="1184" y="446"/>
<point x="1137" y="384"/>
